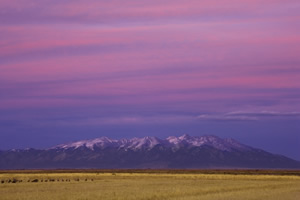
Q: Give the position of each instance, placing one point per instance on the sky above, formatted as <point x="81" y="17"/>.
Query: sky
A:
<point x="81" y="69"/>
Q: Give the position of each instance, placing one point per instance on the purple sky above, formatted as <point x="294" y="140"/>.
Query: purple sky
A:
<point x="81" y="69"/>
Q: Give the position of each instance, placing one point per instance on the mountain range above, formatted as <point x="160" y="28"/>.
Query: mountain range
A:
<point x="149" y="152"/>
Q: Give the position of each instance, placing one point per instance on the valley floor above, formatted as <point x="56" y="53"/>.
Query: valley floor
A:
<point x="147" y="186"/>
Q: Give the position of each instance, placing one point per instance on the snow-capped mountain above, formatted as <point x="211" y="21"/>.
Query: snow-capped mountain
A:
<point x="148" y="152"/>
<point x="210" y="140"/>
<point x="104" y="142"/>
<point x="148" y="143"/>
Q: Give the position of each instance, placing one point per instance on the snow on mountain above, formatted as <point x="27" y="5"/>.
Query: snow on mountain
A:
<point x="101" y="142"/>
<point x="150" y="142"/>
<point x="139" y="143"/>
<point x="210" y="140"/>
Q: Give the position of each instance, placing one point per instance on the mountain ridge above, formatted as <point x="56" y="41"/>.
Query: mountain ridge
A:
<point x="227" y="144"/>
<point x="185" y="151"/>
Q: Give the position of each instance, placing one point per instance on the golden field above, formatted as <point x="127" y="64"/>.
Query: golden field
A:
<point x="148" y="185"/>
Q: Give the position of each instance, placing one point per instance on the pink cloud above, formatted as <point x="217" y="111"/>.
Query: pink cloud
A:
<point x="158" y="9"/>
<point x="184" y="49"/>
<point x="80" y="11"/>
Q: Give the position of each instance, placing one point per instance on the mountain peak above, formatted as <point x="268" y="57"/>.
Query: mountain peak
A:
<point x="142" y="143"/>
<point x="149" y="142"/>
<point x="185" y="137"/>
<point x="148" y="152"/>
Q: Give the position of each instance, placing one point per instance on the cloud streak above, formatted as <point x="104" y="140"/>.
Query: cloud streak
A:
<point x="250" y="116"/>
<point x="140" y="11"/>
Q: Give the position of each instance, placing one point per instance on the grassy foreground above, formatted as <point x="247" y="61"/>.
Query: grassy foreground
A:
<point x="147" y="186"/>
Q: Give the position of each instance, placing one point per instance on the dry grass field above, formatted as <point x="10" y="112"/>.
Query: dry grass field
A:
<point x="149" y="185"/>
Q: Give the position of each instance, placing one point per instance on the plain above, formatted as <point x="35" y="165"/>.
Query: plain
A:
<point x="148" y="185"/>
